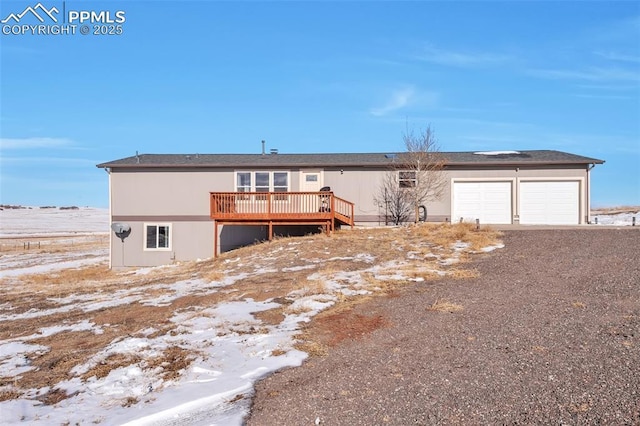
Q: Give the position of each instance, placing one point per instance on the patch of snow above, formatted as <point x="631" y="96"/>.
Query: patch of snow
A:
<point x="149" y="269"/>
<point x="13" y="359"/>
<point x="299" y="268"/>
<point x="620" y="219"/>
<point x="491" y="248"/>
<point x="51" y="265"/>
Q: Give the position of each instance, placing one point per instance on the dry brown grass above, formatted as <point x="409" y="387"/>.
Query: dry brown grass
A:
<point x="59" y="244"/>
<point x="329" y="257"/>
<point x="311" y="347"/>
<point x="68" y="279"/>
<point x="615" y="210"/>
<point x="111" y="363"/>
<point x="443" y="305"/>
<point x="460" y="274"/>
<point x="173" y="361"/>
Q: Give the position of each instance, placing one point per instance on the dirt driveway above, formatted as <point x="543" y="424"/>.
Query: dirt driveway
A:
<point x="549" y="333"/>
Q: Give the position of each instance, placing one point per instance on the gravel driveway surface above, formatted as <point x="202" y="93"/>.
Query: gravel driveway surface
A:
<point x="549" y="333"/>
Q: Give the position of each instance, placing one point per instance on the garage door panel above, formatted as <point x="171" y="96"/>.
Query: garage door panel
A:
<point x="549" y="203"/>
<point x="488" y="201"/>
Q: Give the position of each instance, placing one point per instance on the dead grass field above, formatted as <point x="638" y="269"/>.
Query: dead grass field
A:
<point x="281" y="270"/>
<point x="615" y="210"/>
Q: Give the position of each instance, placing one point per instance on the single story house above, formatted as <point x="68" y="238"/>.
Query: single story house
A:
<point x="173" y="207"/>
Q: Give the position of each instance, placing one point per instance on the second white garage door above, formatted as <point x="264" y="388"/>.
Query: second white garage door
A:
<point x="488" y="201"/>
<point x="549" y="203"/>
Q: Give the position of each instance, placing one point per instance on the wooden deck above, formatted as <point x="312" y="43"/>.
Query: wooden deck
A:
<point x="279" y="208"/>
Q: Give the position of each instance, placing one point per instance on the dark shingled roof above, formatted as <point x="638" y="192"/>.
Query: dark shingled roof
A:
<point x="496" y="158"/>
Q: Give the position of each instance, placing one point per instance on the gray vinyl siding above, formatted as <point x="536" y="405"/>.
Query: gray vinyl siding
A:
<point x="180" y="197"/>
<point x="170" y="192"/>
<point x="189" y="241"/>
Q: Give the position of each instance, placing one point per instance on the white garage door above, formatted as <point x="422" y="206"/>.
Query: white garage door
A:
<point x="488" y="201"/>
<point x="549" y="203"/>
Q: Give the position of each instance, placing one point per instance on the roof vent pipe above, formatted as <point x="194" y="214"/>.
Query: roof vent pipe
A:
<point x="263" y="147"/>
<point x="273" y="151"/>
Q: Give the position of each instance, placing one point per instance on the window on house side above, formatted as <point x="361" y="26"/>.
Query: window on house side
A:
<point x="262" y="181"/>
<point x="280" y="181"/>
<point x="243" y="182"/>
<point x="280" y="184"/>
<point x="407" y="179"/>
<point x="157" y="237"/>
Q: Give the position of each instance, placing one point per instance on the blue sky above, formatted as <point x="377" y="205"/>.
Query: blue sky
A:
<point x="219" y="77"/>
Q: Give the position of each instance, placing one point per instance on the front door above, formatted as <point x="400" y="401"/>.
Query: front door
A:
<point x="311" y="180"/>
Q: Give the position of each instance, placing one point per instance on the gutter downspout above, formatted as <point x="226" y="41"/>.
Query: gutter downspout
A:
<point x="108" y="170"/>
<point x="587" y="194"/>
<point x="517" y="200"/>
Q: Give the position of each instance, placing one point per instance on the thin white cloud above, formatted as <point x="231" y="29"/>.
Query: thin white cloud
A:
<point x="591" y="74"/>
<point x="599" y="96"/>
<point x="621" y="57"/>
<point x="459" y="59"/>
<point x="399" y="99"/>
<point x="34" y="143"/>
<point x="611" y="87"/>
<point x="62" y="161"/>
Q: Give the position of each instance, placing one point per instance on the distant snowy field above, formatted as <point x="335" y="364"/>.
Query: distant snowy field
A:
<point x="37" y="222"/>
<point x="47" y="228"/>
<point x="616" y="219"/>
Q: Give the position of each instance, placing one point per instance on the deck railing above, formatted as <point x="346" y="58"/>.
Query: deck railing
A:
<point x="280" y="206"/>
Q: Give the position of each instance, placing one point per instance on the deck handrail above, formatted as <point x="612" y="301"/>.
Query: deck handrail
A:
<point x="321" y="205"/>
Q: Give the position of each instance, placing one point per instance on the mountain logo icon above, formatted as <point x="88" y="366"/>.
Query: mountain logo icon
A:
<point x="38" y="11"/>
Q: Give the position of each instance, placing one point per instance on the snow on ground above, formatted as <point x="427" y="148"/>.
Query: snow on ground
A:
<point x="48" y="227"/>
<point x="216" y="389"/>
<point x="35" y="221"/>
<point x="233" y="349"/>
<point x="15" y="264"/>
<point x="620" y="219"/>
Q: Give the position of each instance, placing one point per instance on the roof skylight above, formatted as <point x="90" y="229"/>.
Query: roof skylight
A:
<point x="497" y="153"/>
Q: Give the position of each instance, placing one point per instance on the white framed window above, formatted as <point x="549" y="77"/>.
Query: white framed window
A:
<point x="157" y="236"/>
<point x="262" y="181"/>
<point x="407" y="179"/>
<point x="281" y="181"/>
<point x="243" y="182"/>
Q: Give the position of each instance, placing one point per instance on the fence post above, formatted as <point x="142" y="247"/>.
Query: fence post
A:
<point x="477" y="224"/>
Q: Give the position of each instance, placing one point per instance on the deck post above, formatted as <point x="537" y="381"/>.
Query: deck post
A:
<point x="215" y="239"/>
<point x="257" y="208"/>
<point x="333" y="212"/>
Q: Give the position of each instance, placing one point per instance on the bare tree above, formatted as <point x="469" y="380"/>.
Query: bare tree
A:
<point x="424" y="161"/>
<point x="393" y="200"/>
<point x="416" y="177"/>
